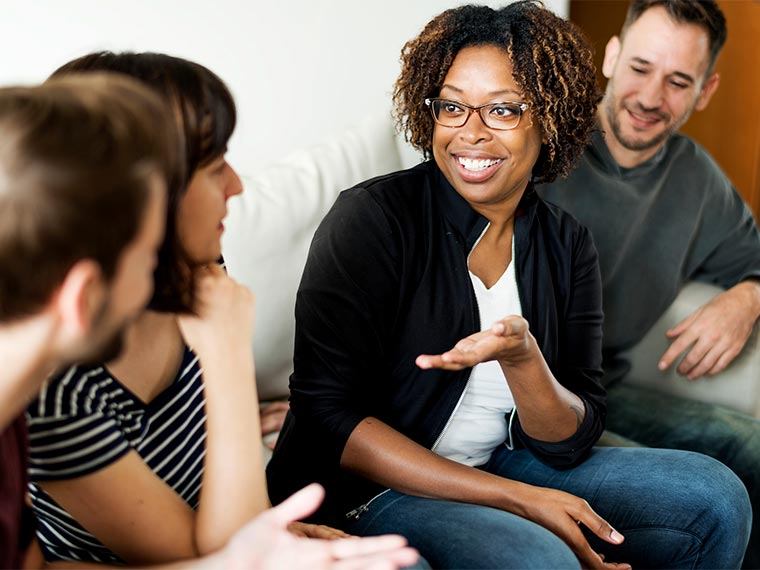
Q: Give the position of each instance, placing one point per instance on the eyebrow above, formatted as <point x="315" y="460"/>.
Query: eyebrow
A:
<point x="491" y="94"/>
<point x="681" y="74"/>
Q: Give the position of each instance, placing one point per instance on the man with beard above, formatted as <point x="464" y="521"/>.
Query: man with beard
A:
<point x="661" y="213"/>
<point x="85" y="163"/>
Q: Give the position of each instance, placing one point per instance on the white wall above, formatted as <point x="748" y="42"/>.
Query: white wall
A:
<point x="300" y="70"/>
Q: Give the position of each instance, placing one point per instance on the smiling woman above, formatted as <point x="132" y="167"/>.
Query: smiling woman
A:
<point x="448" y="340"/>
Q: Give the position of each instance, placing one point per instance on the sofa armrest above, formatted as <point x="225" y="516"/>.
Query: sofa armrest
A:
<point x="737" y="387"/>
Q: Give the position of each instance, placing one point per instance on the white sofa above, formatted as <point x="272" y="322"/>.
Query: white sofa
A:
<point x="269" y="229"/>
<point x="737" y="387"/>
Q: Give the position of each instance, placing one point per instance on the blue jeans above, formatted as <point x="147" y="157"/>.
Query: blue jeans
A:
<point x="659" y="420"/>
<point x="675" y="509"/>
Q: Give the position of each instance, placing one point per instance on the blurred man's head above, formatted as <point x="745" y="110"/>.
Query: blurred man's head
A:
<point x="84" y="165"/>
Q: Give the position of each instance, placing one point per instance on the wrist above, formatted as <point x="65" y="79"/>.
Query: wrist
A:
<point x="753" y="288"/>
<point x="526" y="359"/>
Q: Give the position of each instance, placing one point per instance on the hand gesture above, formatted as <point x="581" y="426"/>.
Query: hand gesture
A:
<point x="224" y="314"/>
<point x="508" y="341"/>
<point x="563" y="513"/>
<point x="716" y="333"/>
<point x="266" y="544"/>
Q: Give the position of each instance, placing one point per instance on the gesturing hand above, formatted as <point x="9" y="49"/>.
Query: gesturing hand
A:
<point x="508" y="341"/>
<point x="716" y="333"/>
<point x="266" y="544"/>
<point x="563" y="513"/>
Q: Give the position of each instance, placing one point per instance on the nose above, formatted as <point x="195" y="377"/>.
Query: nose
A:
<point x="233" y="185"/>
<point x="474" y="130"/>
<point x="650" y="93"/>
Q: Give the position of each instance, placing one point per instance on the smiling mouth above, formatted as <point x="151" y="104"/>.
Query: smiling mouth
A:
<point x="477" y="165"/>
<point x="648" y="119"/>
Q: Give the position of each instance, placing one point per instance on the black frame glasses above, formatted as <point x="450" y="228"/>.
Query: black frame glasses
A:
<point x="503" y="116"/>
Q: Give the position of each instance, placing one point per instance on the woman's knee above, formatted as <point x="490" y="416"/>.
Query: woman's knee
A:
<point x="720" y="505"/>
<point x="459" y="535"/>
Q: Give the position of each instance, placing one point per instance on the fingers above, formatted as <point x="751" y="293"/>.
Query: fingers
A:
<point x="599" y="526"/>
<point x="675" y="349"/>
<point x="308" y="530"/>
<point x="275" y="407"/>
<point x="701" y="363"/>
<point x="503" y="337"/>
<point x="512" y="325"/>
<point x="382" y="561"/>
<point x="725" y="359"/>
<point x="683" y="325"/>
<point x="298" y="506"/>
<point x="273" y="417"/>
<point x="348" y="547"/>
<point x="428" y="361"/>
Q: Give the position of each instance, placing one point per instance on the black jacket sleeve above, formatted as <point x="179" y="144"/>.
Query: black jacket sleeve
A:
<point x="576" y="359"/>
<point x="344" y="310"/>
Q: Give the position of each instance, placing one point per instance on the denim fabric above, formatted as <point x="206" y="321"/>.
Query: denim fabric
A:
<point x="676" y="510"/>
<point x="659" y="420"/>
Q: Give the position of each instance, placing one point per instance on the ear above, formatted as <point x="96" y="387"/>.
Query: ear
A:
<point x="710" y="87"/>
<point x="611" y="53"/>
<point x="79" y="298"/>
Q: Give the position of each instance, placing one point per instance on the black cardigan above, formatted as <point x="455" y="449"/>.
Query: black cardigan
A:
<point x="386" y="280"/>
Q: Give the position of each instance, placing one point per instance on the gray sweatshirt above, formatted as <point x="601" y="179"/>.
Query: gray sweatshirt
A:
<point x="671" y="219"/>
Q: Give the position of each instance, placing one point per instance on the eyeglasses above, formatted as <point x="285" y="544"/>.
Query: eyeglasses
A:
<point x="498" y="116"/>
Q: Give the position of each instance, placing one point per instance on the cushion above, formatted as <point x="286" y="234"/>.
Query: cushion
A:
<point x="270" y="226"/>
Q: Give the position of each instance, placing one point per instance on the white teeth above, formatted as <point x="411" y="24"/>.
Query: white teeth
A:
<point x="476" y="165"/>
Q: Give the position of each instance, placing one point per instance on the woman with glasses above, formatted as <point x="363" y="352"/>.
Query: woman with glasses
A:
<point x="448" y="339"/>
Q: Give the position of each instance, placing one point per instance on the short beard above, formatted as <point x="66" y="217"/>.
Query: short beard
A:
<point x="636" y="144"/>
<point x="106" y="348"/>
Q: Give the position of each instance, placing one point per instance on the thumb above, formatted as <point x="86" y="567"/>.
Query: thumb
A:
<point x="511" y="325"/>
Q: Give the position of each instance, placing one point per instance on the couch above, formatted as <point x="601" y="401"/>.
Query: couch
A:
<point x="269" y="229"/>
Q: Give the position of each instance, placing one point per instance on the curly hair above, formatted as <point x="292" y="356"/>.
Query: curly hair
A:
<point x="552" y="63"/>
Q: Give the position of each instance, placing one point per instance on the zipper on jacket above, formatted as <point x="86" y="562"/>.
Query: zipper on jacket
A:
<point x="453" y="413"/>
<point x="361" y="509"/>
<point x="476" y="310"/>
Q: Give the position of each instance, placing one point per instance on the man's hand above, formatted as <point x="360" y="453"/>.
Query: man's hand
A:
<point x="716" y="332"/>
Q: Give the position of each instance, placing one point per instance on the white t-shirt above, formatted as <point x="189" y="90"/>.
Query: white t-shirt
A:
<point x="480" y="420"/>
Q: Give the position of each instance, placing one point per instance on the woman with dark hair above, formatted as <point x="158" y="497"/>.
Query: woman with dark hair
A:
<point x="143" y="459"/>
<point x="448" y="334"/>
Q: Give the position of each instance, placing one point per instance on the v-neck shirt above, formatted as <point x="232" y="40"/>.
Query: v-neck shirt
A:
<point x="480" y="421"/>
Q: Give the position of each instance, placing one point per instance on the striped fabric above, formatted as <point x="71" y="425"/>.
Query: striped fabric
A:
<point x="85" y="419"/>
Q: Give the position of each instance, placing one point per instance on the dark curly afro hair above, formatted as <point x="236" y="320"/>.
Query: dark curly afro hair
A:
<point x="552" y="63"/>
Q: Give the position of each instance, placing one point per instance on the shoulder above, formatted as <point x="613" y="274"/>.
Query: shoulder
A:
<point x="390" y="191"/>
<point x="79" y="390"/>
<point x="380" y="204"/>
<point x="561" y="224"/>
<point x="686" y="158"/>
